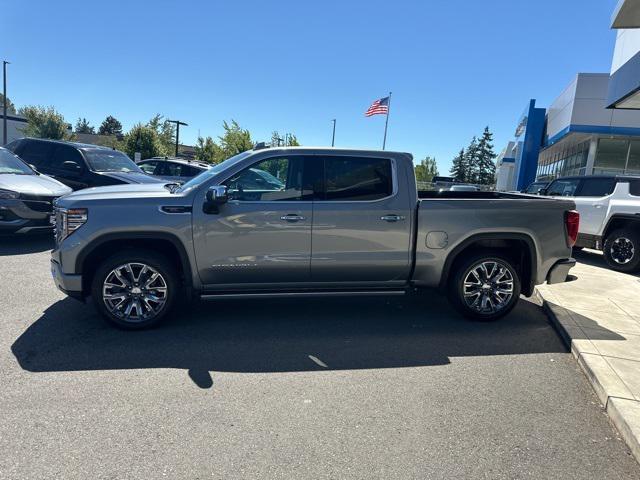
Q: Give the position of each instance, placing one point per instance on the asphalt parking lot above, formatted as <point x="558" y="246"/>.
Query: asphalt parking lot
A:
<point x="344" y="388"/>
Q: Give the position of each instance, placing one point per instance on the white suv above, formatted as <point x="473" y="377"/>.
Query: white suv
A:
<point x="609" y="209"/>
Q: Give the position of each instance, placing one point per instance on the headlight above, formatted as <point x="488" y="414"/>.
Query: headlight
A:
<point x="8" y="194"/>
<point x="69" y="220"/>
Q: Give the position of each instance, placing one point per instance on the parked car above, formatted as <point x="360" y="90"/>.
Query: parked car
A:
<point x="26" y="197"/>
<point x="536" y="188"/>
<point x="323" y="222"/>
<point x="609" y="209"/>
<point x="79" y="165"/>
<point x="173" y="169"/>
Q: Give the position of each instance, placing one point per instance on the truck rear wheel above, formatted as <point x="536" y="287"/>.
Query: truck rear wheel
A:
<point x="622" y="250"/>
<point x="134" y="289"/>
<point x="484" y="286"/>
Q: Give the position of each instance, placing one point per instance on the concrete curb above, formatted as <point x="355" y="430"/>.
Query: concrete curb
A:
<point x="619" y="403"/>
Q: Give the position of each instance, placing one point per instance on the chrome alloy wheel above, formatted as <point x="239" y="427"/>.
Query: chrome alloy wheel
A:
<point x="488" y="287"/>
<point x="134" y="292"/>
<point x="622" y="250"/>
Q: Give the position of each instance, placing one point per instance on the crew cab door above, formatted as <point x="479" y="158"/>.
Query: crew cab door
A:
<point x="592" y="201"/>
<point x="262" y="235"/>
<point x="361" y="222"/>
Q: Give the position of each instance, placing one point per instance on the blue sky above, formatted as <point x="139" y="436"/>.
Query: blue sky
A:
<point x="454" y="66"/>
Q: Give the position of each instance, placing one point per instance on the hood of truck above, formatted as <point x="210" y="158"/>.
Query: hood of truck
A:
<point x="33" y="185"/>
<point x="118" y="192"/>
<point x="132" y="177"/>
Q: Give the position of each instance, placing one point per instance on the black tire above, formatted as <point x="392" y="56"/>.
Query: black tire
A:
<point x="622" y="250"/>
<point x="464" y="267"/>
<point x="168" y="278"/>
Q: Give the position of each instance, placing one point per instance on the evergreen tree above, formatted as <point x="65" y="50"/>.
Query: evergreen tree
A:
<point x="458" y="169"/>
<point x="82" y="126"/>
<point x="110" y="126"/>
<point x="471" y="162"/>
<point x="485" y="167"/>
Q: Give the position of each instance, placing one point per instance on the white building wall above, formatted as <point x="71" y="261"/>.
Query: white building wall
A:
<point x="627" y="45"/>
<point x="559" y="113"/>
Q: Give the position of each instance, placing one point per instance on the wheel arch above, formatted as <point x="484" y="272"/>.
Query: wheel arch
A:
<point x="621" y="220"/>
<point x="166" y="243"/>
<point x="526" y="257"/>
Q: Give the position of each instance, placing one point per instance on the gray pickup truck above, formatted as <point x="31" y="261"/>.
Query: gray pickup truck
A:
<point x="305" y="221"/>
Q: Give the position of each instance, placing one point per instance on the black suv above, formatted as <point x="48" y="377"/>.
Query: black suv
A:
<point x="79" y="165"/>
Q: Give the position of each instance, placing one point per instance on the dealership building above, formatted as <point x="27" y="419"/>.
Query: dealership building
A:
<point x="592" y="127"/>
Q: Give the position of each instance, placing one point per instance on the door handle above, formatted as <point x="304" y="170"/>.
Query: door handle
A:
<point x="598" y="205"/>
<point x="392" y="218"/>
<point x="292" y="218"/>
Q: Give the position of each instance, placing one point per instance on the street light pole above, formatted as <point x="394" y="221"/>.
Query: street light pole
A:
<point x="5" y="102"/>
<point x="333" y="137"/>
<point x="178" y="123"/>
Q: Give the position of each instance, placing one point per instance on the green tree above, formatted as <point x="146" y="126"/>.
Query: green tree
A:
<point x="292" y="140"/>
<point x="459" y="168"/>
<point x="426" y="169"/>
<point x="289" y="140"/>
<point x="45" y="122"/>
<point x="234" y="140"/>
<point x="83" y="126"/>
<point x="11" y="108"/>
<point x="143" y="139"/>
<point x="470" y="162"/>
<point x="485" y="166"/>
<point x="166" y="134"/>
<point x="208" y="151"/>
<point x="110" y="126"/>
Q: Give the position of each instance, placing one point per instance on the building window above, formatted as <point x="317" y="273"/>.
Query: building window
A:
<point x="633" y="164"/>
<point x="611" y="156"/>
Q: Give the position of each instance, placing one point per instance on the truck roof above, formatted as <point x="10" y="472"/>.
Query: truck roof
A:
<point x="312" y="149"/>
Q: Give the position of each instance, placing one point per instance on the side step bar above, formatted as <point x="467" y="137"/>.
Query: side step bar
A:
<point x="330" y="293"/>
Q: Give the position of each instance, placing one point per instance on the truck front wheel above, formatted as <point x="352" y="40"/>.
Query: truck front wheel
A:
<point x="622" y="250"/>
<point x="134" y="289"/>
<point x="484" y="286"/>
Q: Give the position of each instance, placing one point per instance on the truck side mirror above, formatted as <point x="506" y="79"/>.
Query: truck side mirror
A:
<point x="72" y="168"/>
<point x="542" y="191"/>
<point x="216" y="195"/>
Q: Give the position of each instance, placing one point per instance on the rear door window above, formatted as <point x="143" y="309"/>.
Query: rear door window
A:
<point x="563" y="188"/>
<point x="634" y="187"/>
<point x="357" y="178"/>
<point x="597" y="187"/>
<point x="150" y="167"/>
<point x="38" y="153"/>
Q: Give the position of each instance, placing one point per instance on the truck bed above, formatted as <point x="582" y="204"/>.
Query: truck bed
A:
<point x="433" y="194"/>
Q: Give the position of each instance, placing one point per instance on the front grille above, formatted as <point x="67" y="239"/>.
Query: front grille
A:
<point x="38" y="203"/>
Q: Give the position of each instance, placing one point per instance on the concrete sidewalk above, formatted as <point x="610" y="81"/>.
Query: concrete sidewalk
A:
<point x="598" y="314"/>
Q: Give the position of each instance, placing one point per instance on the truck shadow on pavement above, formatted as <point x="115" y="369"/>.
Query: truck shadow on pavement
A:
<point x="280" y="336"/>
<point x="16" y="245"/>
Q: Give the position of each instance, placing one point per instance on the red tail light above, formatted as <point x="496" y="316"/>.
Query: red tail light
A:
<point x="572" y="222"/>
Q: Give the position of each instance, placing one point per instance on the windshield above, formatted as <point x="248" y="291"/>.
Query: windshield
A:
<point x="103" y="160"/>
<point x="11" y="164"/>
<point x="212" y="172"/>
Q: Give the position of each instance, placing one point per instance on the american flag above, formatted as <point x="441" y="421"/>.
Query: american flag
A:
<point x="379" y="107"/>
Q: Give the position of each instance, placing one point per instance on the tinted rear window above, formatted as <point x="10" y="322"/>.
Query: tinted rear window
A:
<point x="634" y="187"/>
<point x="563" y="188"/>
<point x="37" y="153"/>
<point x="353" y="178"/>
<point x="597" y="187"/>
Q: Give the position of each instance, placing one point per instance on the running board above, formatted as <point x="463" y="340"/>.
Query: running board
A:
<point x="332" y="293"/>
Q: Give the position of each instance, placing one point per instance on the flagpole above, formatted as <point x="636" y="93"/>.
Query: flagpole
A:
<point x="386" y="123"/>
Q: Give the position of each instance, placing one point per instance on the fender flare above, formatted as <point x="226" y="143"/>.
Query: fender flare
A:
<point x="458" y="249"/>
